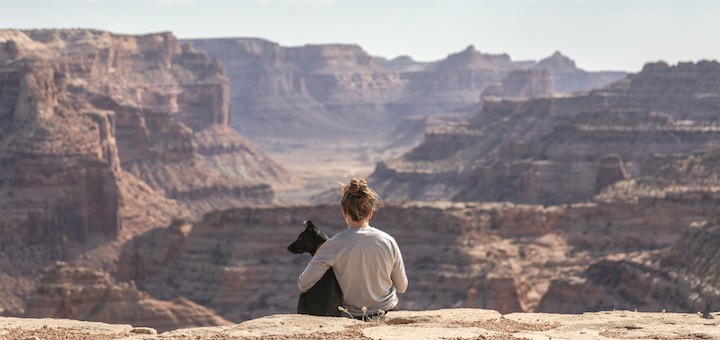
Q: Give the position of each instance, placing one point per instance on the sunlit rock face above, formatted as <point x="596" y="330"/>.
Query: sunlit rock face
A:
<point x="58" y="163"/>
<point x="81" y="106"/>
<point x="103" y="136"/>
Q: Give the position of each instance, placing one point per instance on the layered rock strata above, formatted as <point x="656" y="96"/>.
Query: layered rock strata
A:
<point x="58" y="167"/>
<point x="104" y="136"/>
<point x="556" y="150"/>
<point x="683" y="276"/>
<point x="454" y="323"/>
<point x="679" y="276"/>
<point x="84" y="294"/>
<point x="488" y="255"/>
<point x="282" y="94"/>
<point x="92" y="104"/>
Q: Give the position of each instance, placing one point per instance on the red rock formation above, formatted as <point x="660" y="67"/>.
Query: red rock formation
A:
<point x="84" y="294"/>
<point x="99" y="138"/>
<point x="500" y="255"/>
<point x="493" y="255"/>
<point x="57" y="167"/>
<point x="231" y="154"/>
<point x="197" y="92"/>
<point x="146" y="95"/>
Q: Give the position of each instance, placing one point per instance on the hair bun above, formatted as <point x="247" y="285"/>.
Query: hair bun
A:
<point x="357" y="187"/>
<point x="358" y="199"/>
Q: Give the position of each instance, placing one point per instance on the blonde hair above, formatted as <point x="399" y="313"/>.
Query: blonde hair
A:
<point x="358" y="199"/>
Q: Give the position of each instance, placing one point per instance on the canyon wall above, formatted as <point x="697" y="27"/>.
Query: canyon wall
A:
<point x="116" y="152"/>
<point x="81" y="106"/>
<point x="561" y="149"/>
<point x="284" y="94"/>
<point x="104" y="136"/>
<point x="83" y="294"/>
<point x="501" y="256"/>
<point x="58" y="168"/>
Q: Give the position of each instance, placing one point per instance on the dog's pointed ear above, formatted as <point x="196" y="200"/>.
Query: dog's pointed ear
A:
<point x="309" y="224"/>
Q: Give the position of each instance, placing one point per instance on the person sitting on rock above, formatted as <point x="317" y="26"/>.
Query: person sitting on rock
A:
<point x="367" y="261"/>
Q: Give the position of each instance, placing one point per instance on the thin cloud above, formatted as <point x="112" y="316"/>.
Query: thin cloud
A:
<point x="507" y="1"/>
<point x="302" y="2"/>
<point x="154" y="2"/>
<point x="173" y="2"/>
<point x="261" y="2"/>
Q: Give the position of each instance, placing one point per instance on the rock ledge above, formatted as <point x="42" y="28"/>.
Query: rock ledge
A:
<point x="457" y="323"/>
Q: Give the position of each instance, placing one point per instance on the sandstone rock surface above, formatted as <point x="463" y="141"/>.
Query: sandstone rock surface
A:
<point x="431" y="324"/>
<point x="501" y="256"/>
<point x="84" y="294"/>
<point x="104" y="136"/>
<point x="122" y="103"/>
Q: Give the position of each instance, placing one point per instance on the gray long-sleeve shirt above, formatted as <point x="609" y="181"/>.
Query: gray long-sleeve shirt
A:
<point x="368" y="265"/>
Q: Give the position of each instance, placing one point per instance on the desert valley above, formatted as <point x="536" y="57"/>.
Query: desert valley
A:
<point x="153" y="181"/>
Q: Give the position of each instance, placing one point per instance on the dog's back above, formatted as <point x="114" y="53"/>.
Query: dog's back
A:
<point x="325" y="296"/>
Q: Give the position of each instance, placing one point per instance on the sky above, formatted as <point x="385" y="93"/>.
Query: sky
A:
<point x="597" y="34"/>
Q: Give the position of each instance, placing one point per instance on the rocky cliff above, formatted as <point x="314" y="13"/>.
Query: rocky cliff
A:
<point x="97" y="104"/>
<point x="282" y="94"/>
<point x="156" y="97"/>
<point x="104" y="136"/>
<point x="84" y="294"/>
<point x="58" y="167"/>
<point x="502" y="256"/>
<point x="455" y="323"/>
<point x="561" y="149"/>
<point x="682" y="276"/>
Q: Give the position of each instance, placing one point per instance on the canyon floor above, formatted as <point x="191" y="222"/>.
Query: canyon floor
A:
<point x="432" y="324"/>
<point x="319" y="168"/>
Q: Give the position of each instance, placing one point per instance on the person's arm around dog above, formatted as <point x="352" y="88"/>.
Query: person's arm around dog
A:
<point x="323" y="260"/>
<point x="367" y="261"/>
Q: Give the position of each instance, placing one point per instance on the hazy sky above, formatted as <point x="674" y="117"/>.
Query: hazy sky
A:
<point x="597" y="34"/>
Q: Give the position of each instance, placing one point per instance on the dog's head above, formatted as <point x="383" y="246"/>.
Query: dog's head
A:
<point x="309" y="240"/>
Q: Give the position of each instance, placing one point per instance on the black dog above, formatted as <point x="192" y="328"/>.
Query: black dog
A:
<point x="325" y="296"/>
